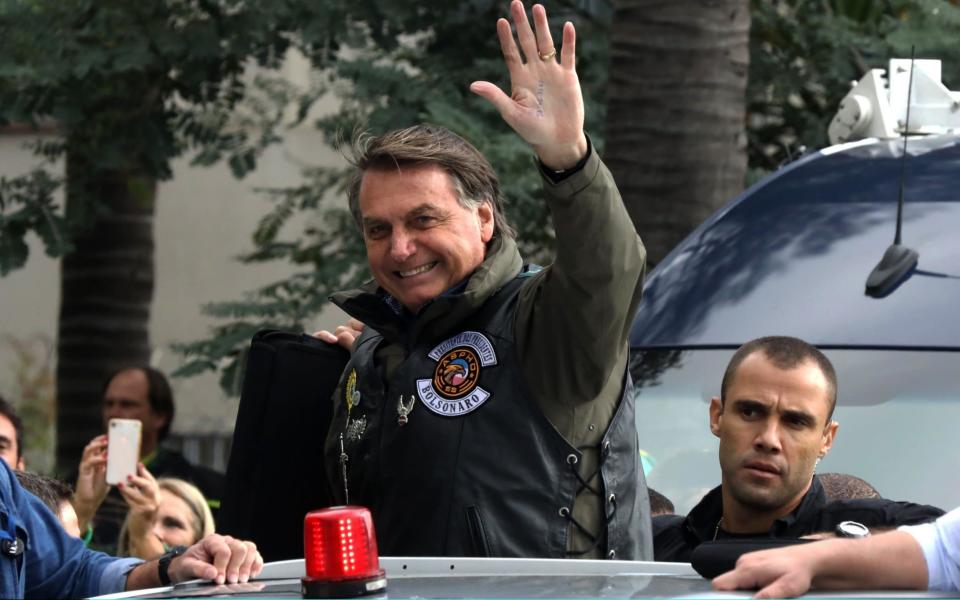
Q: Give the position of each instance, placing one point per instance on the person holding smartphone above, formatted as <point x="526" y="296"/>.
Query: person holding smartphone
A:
<point x="38" y="559"/>
<point x="164" y="513"/>
<point x="143" y="394"/>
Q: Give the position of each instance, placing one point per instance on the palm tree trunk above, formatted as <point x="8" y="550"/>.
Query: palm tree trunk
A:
<point x="106" y="290"/>
<point x="675" y="112"/>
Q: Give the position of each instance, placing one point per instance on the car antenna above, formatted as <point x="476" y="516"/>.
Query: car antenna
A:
<point x="898" y="261"/>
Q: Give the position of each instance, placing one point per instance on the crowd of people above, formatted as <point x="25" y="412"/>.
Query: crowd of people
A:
<point x="487" y="408"/>
<point x="166" y="527"/>
<point x="142" y="393"/>
<point x="157" y="508"/>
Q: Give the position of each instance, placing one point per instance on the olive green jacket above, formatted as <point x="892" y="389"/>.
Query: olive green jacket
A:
<point x="572" y="322"/>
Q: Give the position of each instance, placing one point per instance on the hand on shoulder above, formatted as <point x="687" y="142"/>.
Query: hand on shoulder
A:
<point x="344" y="335"/>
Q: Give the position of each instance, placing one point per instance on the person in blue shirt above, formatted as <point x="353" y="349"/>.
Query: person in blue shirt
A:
<point x="39" y="560"/>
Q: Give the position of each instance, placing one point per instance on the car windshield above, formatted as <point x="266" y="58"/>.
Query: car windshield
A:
<point x="794" y="256"/>
<point x="898" y="413"/>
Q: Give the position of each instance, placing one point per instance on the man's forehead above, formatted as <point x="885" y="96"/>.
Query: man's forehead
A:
<point x="757" y="367"/>
<point x="414" y="180"/>
<point x="802" y="387"/>
<point x="130" y="384"/>
<point x="7" y="429"/>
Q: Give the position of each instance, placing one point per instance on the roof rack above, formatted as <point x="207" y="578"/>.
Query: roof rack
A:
<point x="876" y="106"/>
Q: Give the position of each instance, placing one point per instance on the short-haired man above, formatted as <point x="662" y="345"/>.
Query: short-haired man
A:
<point x="486" y="408"/>
<point x="774" y="418"/>
<point x="11" y="436"/>
<point x="141" y="393"/>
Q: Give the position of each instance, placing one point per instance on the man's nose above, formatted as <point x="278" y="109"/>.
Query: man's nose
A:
<point x="402" y="246"/>
<point x="768" y="438"/>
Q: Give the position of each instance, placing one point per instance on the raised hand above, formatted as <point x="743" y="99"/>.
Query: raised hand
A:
<point x="142" y="494"/>
<point x="91" y="487"/>
<point x="545" y="105"/>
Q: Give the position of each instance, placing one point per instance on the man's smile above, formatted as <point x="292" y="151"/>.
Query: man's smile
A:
<point x="416" y="270"/>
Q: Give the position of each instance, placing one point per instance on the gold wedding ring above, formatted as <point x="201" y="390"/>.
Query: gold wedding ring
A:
<point x="547" y="56"/>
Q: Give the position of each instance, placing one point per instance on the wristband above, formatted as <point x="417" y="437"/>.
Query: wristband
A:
<point x="163" y="565"/>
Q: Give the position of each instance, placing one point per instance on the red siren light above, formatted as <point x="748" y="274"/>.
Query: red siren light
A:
<point x="341" y="557"/>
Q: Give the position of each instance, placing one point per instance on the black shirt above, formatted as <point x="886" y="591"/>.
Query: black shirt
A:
<point x="675" y="537"/>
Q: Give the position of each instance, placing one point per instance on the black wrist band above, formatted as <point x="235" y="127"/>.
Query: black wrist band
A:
<point x="163" y="565"/>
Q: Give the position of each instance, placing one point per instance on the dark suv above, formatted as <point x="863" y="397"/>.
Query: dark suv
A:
<point x="791" y="256"/>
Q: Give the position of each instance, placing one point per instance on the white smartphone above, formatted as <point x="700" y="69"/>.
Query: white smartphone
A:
<point x="123" y="449"/>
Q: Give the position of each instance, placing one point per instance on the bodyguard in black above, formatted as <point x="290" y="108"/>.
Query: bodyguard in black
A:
<point x="774" y="419"/>
<point x="675" y="537"/>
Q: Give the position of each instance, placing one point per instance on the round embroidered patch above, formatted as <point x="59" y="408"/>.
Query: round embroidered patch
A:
<point x="457" y="373"/>
<point x="454" y="389"/>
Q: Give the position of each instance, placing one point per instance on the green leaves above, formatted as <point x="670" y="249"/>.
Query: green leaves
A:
<point x="132" y="85"/>
<point x="804" y="55"/>
<point x="27" y="204"/>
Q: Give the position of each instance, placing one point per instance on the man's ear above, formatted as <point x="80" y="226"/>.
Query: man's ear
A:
<point x="21" y="464"/>
<point x="486" y="221"/>
<point x="829" y="433"/>
<point x="716" y="413"/>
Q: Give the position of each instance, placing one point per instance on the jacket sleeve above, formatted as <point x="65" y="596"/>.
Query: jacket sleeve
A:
<point x="574" y="318"/>
<point x="57" y="565"/>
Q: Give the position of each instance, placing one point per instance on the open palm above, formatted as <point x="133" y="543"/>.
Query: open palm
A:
<point x="545" y="106"/>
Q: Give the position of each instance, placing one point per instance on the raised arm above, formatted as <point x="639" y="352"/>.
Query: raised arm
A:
<point x="584" y="302"/>
<point x="91" y="487"/>
<point x="545" y="105"/>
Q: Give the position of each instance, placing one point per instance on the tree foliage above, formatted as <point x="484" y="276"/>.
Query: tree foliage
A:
<point x="134" y="84"/>
<point x="805" y="54"/>
<point x="127" y="86"/>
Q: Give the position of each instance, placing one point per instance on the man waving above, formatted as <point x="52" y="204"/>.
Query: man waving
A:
<point x="486" y="409"/>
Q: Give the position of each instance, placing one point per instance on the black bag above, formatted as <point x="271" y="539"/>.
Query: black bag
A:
<point x="275" y="474"/>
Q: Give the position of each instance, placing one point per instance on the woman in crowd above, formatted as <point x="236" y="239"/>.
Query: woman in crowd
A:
<point x="163" y="513"/>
